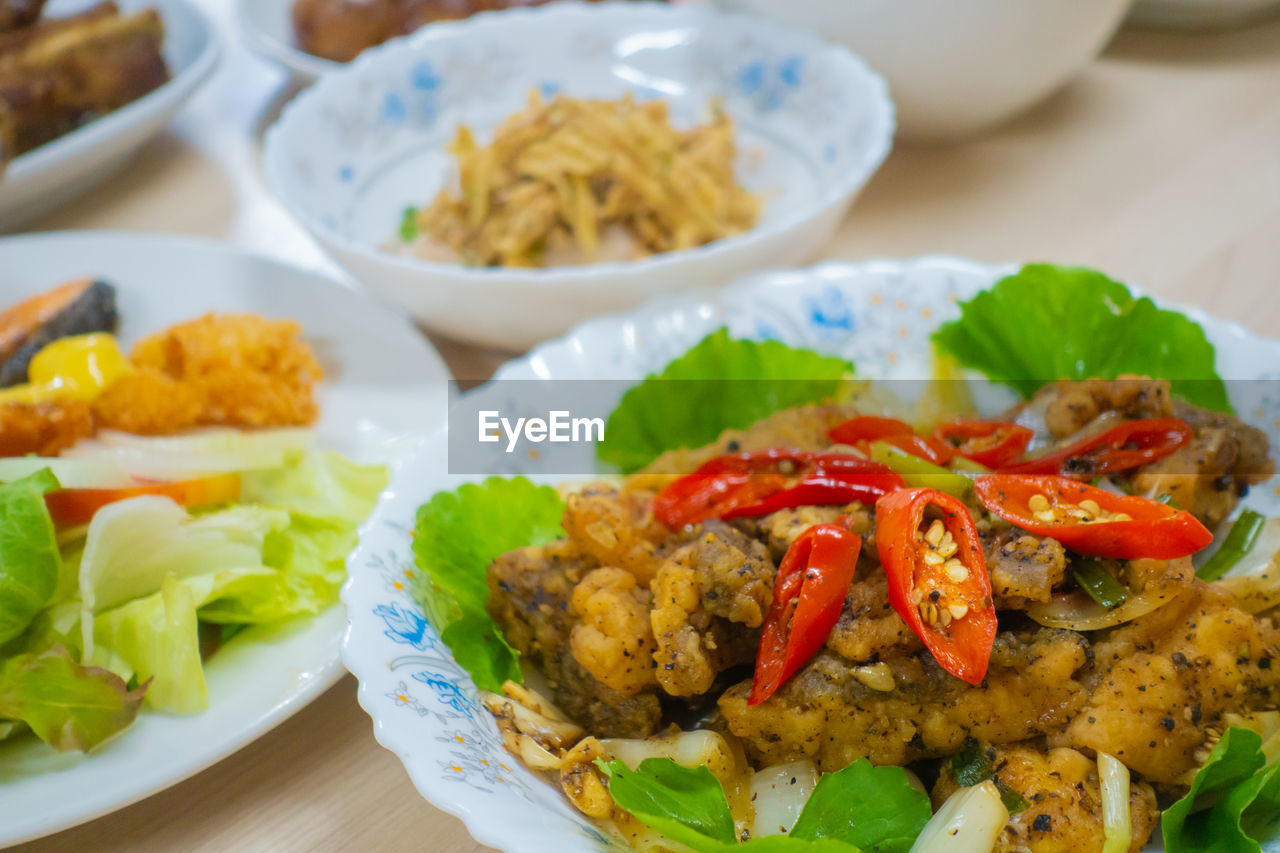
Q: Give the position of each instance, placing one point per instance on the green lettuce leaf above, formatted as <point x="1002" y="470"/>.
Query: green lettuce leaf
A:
<point x="68" y="706"/>
<point x="154" y="573"/>
<point x="875" y="808"/>
<point x="720" y="384"/>
<point x="1048" y="322"/>
<point x="1243" y="797"/>
<point x="159" y="637"/>
<point x="456" y="536"/>
<point x="29" y="560"/>
<point x="686" y="804"/>
<point x="319" y="485"/>
<point x="133" y="545"/>
<point x="859" y="807"/>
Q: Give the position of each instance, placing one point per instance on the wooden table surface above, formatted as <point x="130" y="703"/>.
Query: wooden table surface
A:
<point x="1160" y="165"/>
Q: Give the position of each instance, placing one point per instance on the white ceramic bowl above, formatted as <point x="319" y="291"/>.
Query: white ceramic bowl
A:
<point x="426" y="709"/>
<point x="267" y="27"/>
<point x="957" y="68"/>
<point x="74" y="163"/>
<point x="366" y="141"/>
<point x="1200" y="14"/>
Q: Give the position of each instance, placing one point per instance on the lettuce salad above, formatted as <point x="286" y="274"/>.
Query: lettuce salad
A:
<point x="101" y="621"/>
<point x="1042" y="323"/>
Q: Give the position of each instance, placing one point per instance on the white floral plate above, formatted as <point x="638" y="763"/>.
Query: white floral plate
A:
<point x="74" y="163"/>
<point x="384" y="388"/>
<point x="425" y="708"/>
<point x="368" y="140"/>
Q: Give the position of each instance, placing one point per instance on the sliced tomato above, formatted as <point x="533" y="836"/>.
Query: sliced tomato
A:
<point x="938" y="580"/>
<point x="808" y="595"/>
<point x="1120" y="448"/>
<point x="1092" y="521"/>
<point x="994" y="444"/>
<point x="69" y="507"/>
<point x="859" y="432"/>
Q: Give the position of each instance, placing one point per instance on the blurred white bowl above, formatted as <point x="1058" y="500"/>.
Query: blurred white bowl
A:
<point x="955" y="68"/>
<point x="267" y="27"/>
<point x="368" y="140"/>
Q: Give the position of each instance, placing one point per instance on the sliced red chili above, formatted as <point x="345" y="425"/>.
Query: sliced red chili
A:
<point x="1092" y="521"/>
<point x="861" y="431"/>
<point x="1120" y="448"/>
<point x="938" y="580"/>
<point x="744" y="485"/>
<point x="808" y="595"/>
<point x="994" y="444"/>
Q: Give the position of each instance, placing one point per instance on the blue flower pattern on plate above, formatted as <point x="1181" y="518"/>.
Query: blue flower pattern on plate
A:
<point x="405" y="626"/>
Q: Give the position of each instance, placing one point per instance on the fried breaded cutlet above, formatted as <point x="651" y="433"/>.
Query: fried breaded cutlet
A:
<point x="236" y="370"/>
<point x="44" y="429"/>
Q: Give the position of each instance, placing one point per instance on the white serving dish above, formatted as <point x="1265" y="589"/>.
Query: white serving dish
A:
<point x="267" y="27"/>
<point x="426" y="709"/>
<point x="71" y="165"/>
<point x="955" y="69"/>
<point x="385" y="387"/>
<point x="368" y="140"/>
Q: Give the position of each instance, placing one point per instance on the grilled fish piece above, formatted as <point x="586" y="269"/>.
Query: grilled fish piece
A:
<point x="60" y="74"/>
<point x="76" y="308"/>
<point x="341" y="29"/>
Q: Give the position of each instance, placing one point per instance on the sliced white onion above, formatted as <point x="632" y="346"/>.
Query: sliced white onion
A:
<point x="213" y="440"/>
<point x="71" y="473"/>
<point x="1076" y="611"/>
<point x="1114" y="778"/>
<point x="969" y="821"/>
<point x="1255" y="580"/>
<point x="778" y="794"/>
<point x="199" y="453"/>
<point x="689" y="749"/>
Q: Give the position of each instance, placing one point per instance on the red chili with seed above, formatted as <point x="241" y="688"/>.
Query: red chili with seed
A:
<point x="808" y="595"/>
<point x="1120" y="448"/>
<point x="938" y="581"/>
<point x="1092" y="521"/>
<point x="746" y="485"/>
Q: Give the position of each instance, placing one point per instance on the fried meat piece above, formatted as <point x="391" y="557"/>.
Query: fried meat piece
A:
<point x="710" y="598"/>
<point x="219" y="370"/>
<point x="1161" y="684"/>
<point x="617" y="528"/>
<point x="826" y="714"/>
<point x="44" y="429"/>
<point x="1208" y="476"/>
<point x="1064" y="801"/>
<point x="1024" y="568"/>
<point x="530" y="598"/>
<point x="61" y="73"/>
<point x="613" y="640"/>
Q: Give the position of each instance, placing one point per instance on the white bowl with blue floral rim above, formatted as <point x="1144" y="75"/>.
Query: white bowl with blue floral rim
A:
<point x="352" y="152"/>
<point x="878" y="314"/>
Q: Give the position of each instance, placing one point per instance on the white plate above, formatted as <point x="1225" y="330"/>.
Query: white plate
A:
<point x="267" y="27"/>
<point x="351" y="152"/>
<point x="425" y="709"/>
<point x="70" y="165"/>
<point x="385" y="386"/>
<point x="1200" y="14"/>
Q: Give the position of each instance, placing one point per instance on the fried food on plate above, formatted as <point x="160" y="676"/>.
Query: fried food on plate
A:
<point x="219" y="370"/>
<point x="574" y="181"/>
